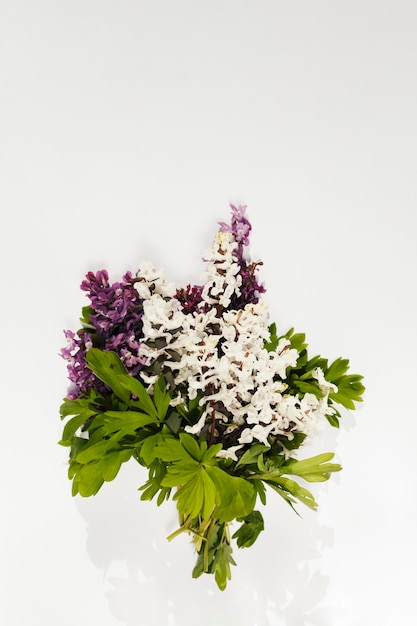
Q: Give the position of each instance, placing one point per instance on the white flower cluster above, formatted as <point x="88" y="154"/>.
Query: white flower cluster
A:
<point x="222" y="358"/>
<point x="222" y="278"/>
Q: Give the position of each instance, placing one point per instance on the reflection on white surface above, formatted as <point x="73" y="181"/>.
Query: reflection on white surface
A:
<point x="277" y="581"/>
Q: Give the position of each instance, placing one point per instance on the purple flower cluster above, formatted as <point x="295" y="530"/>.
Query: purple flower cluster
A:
<point x="189" y="298"/>
<point x="240" y="227"/>
<point x="250" y="287"/>
<point x="79" y="374"/>
<point x="114" y="323"/>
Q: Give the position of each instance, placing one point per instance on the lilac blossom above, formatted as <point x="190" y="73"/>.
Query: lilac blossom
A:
<point x="114" y="324"/>
<point x="190" y="298"/>
<point x="81" y="377"/>
<point x="116" y="315"/>
<point x="239" y="226"/>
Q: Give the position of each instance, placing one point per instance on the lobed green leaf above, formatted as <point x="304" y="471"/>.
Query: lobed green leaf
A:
<point x="108" y="367"/>
<point x="144" y="400"/>
<point x="248" y="532"/>
<point x="236" y="496"/>
<point x="161" y="397"/>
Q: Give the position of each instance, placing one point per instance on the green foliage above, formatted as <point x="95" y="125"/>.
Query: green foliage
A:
<point x="153" y="486"/>
<point x="108" y="367"/>
<point x="104" y="431"/>
<point x="291" y="491"/>
<point x="215" y="555"/>
<point x="297" y="341"/>
<point x="203" y="487"/>
<point x="114" y="428"/>
<point x="272" y="344"/>
<point x="251" y="455"/>
<point x="301" y="379"/>
<point x="314" y="469"/>
<point x="86" y="312"/>
<point x="248" y="532"/>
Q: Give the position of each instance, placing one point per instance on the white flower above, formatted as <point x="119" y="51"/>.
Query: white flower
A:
<point x="221" y="276"/>
<point x="222" y="358"/>
<point x="258" y="432"/>
<point x="195" y="429"/>
<point x="152" y="281"/>
<point x="246" y="436"/>
<point x="285" y="357"/>
<point x="324" y="384"/>
<point x="229" y="453"/>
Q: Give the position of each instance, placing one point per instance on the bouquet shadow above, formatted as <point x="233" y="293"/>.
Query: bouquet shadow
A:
<point x="147" y="579"/>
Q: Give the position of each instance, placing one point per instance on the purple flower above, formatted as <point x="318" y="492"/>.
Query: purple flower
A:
<point x="189" y="298"/>
<point x="250" y="289"/>
<point x="81" y="377"/>
<point x="239" y="226"/>
<point x="115" y="319"/>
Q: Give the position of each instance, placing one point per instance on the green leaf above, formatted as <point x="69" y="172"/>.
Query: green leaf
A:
<point x="193" y="412"/>
<point x="144" y="400"/>
<point x="197" y="496"/>
<point x="174" y="422"/>
<point x="88" y="480"/>
<point x="172" y="450"/>
<point x="215" y="555"/>
<point x="113" y="462"/>
<point x="148" y="448"/>
<point x="316" y="361"/>
<point x="333" y="420"/>
<point x="108" y="367"/>
<point x="85" y="315"/>
<point x="251" y="455"/>
<point x="291" y="491"/>
<point x="195" y="450"/>
<point x="236" y="496"/>
<point x="313" y="469"/>
<point x="77" y="407"/>
<point x="349" y="391"/>
<point x="94" y="465"/>
<point x="77" y="444"/>
<point x="71" y="428"/>
<point x="212" y="537"/>
<point x="157" y="472"/>
<point x="248" y="532"/>
<point x="340" y="398"/>
<point x="221" y="565"/>
<point x="272" y="344"/>
<point x="187" y="450"/>
<point x="297" y="340"/>
<point x="161" y="397"/>
<point x="295" y="442"/>
<point x="260" y="490"/>
<point x="338" y="368"/>
<point x="308" y="387"/>
<point x="126" y="422"/>
<point x="201" y="483"/>
<point x="209" y="455"/>
<point x="181" y="472"/>
<point x="92" y="452"/>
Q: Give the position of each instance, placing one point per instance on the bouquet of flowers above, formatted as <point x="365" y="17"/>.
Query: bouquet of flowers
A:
<point x="198" y="386"/>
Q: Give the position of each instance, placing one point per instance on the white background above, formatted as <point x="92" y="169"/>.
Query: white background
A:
<point x="126" y="129"/>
